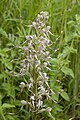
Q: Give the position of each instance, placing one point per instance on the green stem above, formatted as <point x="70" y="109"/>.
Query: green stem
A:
<point x="2" y="115"/>
<point x="35" y="91"/>
<point x="76" y="82"/>
<point x="21" y="15"/>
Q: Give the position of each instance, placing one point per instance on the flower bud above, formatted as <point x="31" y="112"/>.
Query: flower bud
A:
<point x="48" y="109"/>
<point x="22" y="85"/>
<point x="23" y="102"/>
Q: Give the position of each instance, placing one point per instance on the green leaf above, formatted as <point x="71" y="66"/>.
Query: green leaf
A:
<point x="2" y="32"/>
<point x="58" y="108"/>
<point x="6" y="49"/>
<point x="7" y="63"/>
<point x="10" y="117"/>
<point x="55" y="97"/>
<point x="10" y="89"/>
<point x="2" y="53"/>
<point x="6" y="105"/>
<point x="78" y="17"/>
<point x="1" y="76"/>
<point x="13" y="117"/>
<point x="67" y="71"/>
<point x="65" y="96"/>
<point x="18" y="103"/>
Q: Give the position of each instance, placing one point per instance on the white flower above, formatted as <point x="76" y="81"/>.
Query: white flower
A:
<point x="48" y="109"/>
<point x="32" y="98"/>
<point x="30" y="85"/>
<point x="31" y="80"/>
<point x="35" y="56"/>
<point x="35" y="24"/>
<point x="39" y="97"/>
<point x="33" y="103"/>
<point x="44" y="74"/>
<point x="45" y="64"/>
<point x="23" y="102"/>
<point x="42" y="90"/>
<point x="22" y="85"/>
<point x="48" y="27"/>
<point x="40" y="103"/>
<point x="40" y="17"/>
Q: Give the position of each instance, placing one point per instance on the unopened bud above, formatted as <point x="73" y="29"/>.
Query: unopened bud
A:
<point x="22" y="85"/>
<point x="23" y="102"/>
<point x="48" y="109"/>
